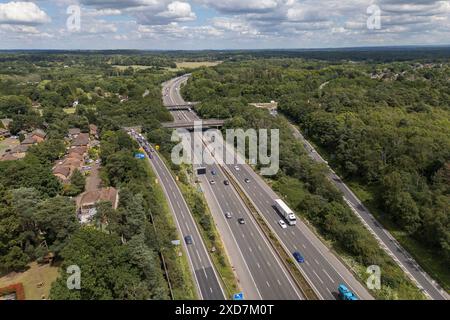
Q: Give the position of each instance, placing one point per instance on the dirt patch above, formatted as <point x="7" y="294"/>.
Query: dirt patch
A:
<point x="8" y="143"/>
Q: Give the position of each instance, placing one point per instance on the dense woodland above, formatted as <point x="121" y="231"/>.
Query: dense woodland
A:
<point x="384" y="126"/>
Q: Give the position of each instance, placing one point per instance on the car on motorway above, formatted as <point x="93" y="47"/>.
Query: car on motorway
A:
<point x="228" y="215"/>
<point x="241" y="221"/>
<point x="282" y="224"/>
<point x="298" y="257"/>
<point x="212" y="182"/>
<point x="188" y="240"/>
<point x="213" y="172"/>
<point x="247" y="180"/>
<point x="237" y="168"/>
<point x="226" y="182"/>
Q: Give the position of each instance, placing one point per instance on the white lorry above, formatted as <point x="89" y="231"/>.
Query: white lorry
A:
<point x="285" y="212"/>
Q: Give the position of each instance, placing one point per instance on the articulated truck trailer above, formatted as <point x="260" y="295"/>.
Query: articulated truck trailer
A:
<point x="285" y="212"/>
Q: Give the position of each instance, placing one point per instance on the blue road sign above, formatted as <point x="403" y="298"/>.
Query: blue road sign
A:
<point x="238" y="296"/>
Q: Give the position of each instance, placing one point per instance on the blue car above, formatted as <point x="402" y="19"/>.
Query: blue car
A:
<point x="298" y="257"/>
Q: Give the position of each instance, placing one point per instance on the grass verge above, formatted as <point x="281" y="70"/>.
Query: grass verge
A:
<point x="178" y="268"/>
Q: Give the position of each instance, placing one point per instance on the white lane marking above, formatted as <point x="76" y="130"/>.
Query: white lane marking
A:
<point x="198" y="254"/>
<point x="307" y="263"/>
<point x="267" y="282"/>
<point x="304" y="247"/>
<point x="326" y="273"/>
<point x="317" y="262"/>
<point x="318" y="277"/>
<point x="279" y="282"/>
<point x="258" y="265"/>
<point x="249" y="248"/>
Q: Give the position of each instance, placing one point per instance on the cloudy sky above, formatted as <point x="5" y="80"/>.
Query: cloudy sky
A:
<point x="221" y="24"/>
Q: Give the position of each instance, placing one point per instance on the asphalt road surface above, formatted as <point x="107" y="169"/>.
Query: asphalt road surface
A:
<point x="261" y="274"/>
<point x="205" y="276"/>
<point x="323" y="270"/>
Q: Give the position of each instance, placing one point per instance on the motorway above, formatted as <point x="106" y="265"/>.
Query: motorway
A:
<point x="205" y="276"/>
<point x="259" y="270"/>
<point x="322" y="269"/>
<point x="388" y="242"/>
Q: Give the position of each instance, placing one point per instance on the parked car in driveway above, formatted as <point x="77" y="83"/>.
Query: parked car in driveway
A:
<point x="298" y="257"/>
<point x="188" y="240"/>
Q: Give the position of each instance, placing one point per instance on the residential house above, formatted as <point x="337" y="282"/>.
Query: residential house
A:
<point x="38" y="135"/>
<point x="74" y="132"/>
<point x="82" y="140"/>
<point x="87" y="202"/>
<point x="62" y="172"/>
<point x="29" y="141"/>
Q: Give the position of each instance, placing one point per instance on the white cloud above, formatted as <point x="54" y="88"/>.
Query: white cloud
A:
<point x="22" y="13"/>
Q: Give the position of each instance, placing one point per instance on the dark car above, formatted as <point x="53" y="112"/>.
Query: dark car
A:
<point x="247" y="180"/>
<point x="188" y="240"/>
<point x="241" y="221"/>
<point x="228" y="215"/>
<point x="298" y="257"/>
<point x="226" y="182"/>
<point x="213" y="172"/>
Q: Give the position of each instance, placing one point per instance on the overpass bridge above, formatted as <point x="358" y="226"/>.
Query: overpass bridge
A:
<point x="190" y="125"/>
<point x="181" y="107"/>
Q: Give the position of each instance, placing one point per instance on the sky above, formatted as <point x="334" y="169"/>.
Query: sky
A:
<point x="221" y="24"/>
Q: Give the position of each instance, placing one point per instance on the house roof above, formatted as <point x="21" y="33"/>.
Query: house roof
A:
<point x="62" y="170"/>
<point x="78" y="150"/>
<point x="29" y="140"/>
<point x="72" y="162"/>
<point x="39" y="133"/>
<point x="81" y="140"/>
<point x="75" y="156"/>
<point x="105" y="194"/>
<point x="73" y="131"/>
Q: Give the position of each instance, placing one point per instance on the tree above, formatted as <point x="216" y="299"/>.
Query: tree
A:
<point x="56" y="220"/>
